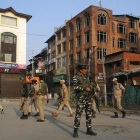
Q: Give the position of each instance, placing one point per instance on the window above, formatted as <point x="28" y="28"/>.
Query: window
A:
<point x="78" y="25"/>
<point x="132" y="24"/>
<point x="134" y="63"/>
<point x="9" y="21"/>
<point x="53" y="42"/>
<point x="102" y="36"/>
<point x="8" y="38"/>
<point x="64" y="33"/>
<point x="87" y="54"/>
<point x="59" y="63"/>
<point x="64" y="46"/>
<point x="53" y="54"/>
<point x="48" y="57"/>
<point x="87" y="19"/>
<point x="58" y="36"/>
<point x="71" y="44"/>
<point x="133" y="37"/>
<point x="71" y="59"/>
<point x="110" y="65"/>
<point x="49" y="45"/>
<point x="134" y="50"/>
<point x="64" y="61"/>
<point x="78" y="41"/>
<point x="100" y="53"/>
<point x="101" y="19"/>
<point x="113" y="27"/>
<point x="78" y="57"/>
<point x="87" y="37"/>
<point x="113" y="42"/>
<point x="121" y="29"/>
<point x="59" y="49"/>
<point x="71" y="29"/>
<point x="121" y="43"/>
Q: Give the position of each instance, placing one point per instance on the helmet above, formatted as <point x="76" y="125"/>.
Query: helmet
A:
<point x="82" y="66"/>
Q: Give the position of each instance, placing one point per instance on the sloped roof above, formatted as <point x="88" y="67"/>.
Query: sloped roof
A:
<point x="10" y="9"/>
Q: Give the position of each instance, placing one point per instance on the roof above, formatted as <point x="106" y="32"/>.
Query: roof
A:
<point x="128" y="15"/>
<point x="127" y="72"/>
<point x="10" y="9"/>
<point x="50" y="38"/>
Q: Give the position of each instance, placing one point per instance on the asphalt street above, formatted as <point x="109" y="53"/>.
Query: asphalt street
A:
<point x="61" y="128"/>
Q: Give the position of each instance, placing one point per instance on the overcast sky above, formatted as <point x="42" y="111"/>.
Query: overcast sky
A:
<point x="47" y="14"/>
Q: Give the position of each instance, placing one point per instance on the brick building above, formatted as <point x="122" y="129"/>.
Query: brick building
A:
<point x="123" y="65"/>
<point x="94" y="25"/>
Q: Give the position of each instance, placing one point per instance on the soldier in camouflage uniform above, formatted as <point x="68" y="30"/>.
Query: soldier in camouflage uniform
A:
<point x="82" y="88"/>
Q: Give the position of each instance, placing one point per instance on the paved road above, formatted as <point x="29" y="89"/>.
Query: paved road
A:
<point x="61" y="128"/>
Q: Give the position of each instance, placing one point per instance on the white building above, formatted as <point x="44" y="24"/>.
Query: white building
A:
<point x="12" y="50"/>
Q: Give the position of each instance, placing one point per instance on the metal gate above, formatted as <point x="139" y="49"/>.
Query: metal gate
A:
<point x="10" y="85"/>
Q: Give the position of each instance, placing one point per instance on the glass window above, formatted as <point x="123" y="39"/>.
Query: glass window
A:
<point x="87" y="37"/>
<point x="78" y="41"/>
<point x="78" y="57"/>
<point x="59" y="63"/>
<point x="87" y="54"/>
<point x="113" y="42"/>
<point x="71" y="59"/>
<point x="101" y="19"/>
<point x="78" y="25"/>
<point x="64" y="46"/>
<point x="87" y="19"/>
<point x="9" y="21"/>
<point x="59" y="36"/>
<point x="121" y="43"/>
<point x="100" y="53"/>
<point x="64" y="33"/>
<point x="64" y="61"/>
<point x="132" y="24"/>
<point x="133" y="37"/>
<point x="102" y="36"/>
<point x="121" y="29"/>
<point x="71" y="44"/>
<point x="71" y="29"/>
<point x="113" y="27"/>
<point x="8" y="38"/>
<point x="59" y="49"/>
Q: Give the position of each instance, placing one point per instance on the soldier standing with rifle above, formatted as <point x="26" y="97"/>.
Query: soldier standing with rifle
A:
<point x="82" y="88"/>
<point x="23" y="100"/>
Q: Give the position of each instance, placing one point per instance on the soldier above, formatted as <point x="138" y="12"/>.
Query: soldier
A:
<point x="23" y="100"/>
<point x="2" y="110"/>
<point x="82" y="88"/>
<point x="41" y="90"/>
<point x="117" y="95"/>
<point x="31" y="93"/>
<point x="65" y="101"/>
<point x="96" y="89"/>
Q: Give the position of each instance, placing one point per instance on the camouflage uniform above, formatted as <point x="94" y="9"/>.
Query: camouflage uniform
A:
<point x="83" y="100"/>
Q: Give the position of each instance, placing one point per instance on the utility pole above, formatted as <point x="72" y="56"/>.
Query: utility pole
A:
<point x="68" y="72"/>
<point x="32" y="63"/>
<point x="104" y="75"/>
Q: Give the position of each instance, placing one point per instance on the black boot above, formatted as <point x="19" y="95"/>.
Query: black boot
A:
<point x="90" y="132"/>
<point x="29" y="113"/>
<point x="115" y="116"/>
<point x="75" y="134"/>
<point x="24" y="117"/>
<point x="123" y="114"/>
<point x="37" y="114"/>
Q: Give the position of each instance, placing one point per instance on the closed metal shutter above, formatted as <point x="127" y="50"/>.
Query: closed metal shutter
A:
<point x="10" y="85"/>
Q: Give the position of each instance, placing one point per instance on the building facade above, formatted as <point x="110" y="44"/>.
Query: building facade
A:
<point x="13" y="27"/>
<point x="96" y="32"/>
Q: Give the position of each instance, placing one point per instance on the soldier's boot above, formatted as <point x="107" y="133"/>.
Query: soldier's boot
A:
<point x="71" y="115"/>
<point x="93" y="114"/>
<point x="75" y="133"/>
<point x="24" y="117"/>
<point x="2" y="111"/>
<point x="55" y="114"/>
<point x="37" y="114"/>
<point x="115" y="116"/>
<point x="123" y="114"/>
<point x="29" y="113"/>
<point x="90" y="132"/>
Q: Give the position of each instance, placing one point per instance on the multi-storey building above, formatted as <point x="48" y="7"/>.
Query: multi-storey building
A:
<point x="94" y="25"/>
<point x="12" y="50"/>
